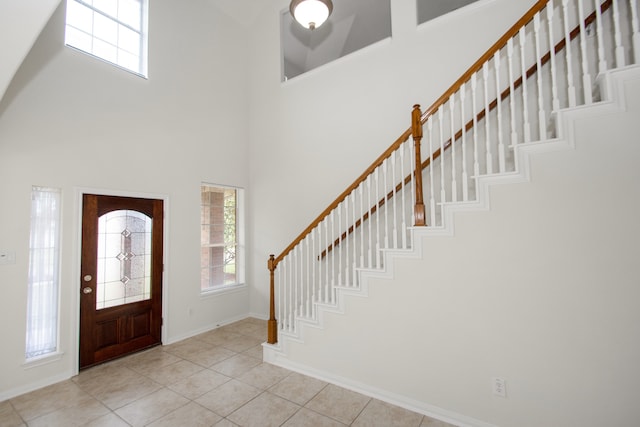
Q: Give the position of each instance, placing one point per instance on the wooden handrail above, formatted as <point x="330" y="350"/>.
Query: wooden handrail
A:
<point x="469" y="125"/>
<point x="476" y="67"/>
<point x="538" y="6"/>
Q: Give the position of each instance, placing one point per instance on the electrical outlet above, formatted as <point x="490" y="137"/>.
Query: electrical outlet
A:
<point x="499" y="387"/>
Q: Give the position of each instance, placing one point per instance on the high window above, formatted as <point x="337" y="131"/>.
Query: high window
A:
<point x="44" y="273"/>
<point x="113" y="30"/>
<point x="220" y="237"/>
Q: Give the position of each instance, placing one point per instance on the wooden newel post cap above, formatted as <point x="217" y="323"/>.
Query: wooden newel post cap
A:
<point x="271" y="264"/>
<point x="416" y="122"/>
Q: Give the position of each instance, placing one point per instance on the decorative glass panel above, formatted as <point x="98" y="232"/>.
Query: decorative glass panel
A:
<point x="124" y="258"/>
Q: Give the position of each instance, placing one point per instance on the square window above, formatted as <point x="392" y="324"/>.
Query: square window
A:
<point x="112" y="30"/>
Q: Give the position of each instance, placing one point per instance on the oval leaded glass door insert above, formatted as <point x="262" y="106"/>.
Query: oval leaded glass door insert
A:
<point x="124" y="258"/>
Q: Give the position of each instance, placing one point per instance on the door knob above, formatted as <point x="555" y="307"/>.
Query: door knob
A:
<point x="87" y="290"/>
<point x="87" y="278"/>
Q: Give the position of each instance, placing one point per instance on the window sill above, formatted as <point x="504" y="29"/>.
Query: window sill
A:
<point x="42" y="360"/>
<point x="222" y="290"/>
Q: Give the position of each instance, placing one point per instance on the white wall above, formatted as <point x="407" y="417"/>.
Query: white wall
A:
<point x="542" y="290"/>
<point x="314" y="135"/>
<point x="71" y="121"/>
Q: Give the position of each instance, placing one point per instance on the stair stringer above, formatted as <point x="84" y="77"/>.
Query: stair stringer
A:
<point x="611" y="86"/>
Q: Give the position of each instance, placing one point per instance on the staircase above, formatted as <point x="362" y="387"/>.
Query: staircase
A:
<point x="562" y="63"/>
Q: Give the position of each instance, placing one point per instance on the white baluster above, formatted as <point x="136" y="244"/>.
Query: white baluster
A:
<point x="501" y="149"/>
<point x="602" y="61"/>
<point x="340" y="242"/>
<point x="385" y="170"/>
<point x="294" y="280"/>
<point x="289" y="306"/>
<point x="432" y="201"/>
<point x="362" y="246"/>
<point x="378" y="213"/>
<point x="512" y="95"/>
<point x="308" y="239"/>
<point x="465" y="176"/>
<point x="395" y="197"/>
<point x="542" y="119"/>
<point x="620" y="61"/>
<point x="319" y="262"/>
<point x="452" y="130"/>
<point x="586" y="75"/>
<point x="347" y="275"/>
<point x="313" y="263"/>
<point x="635" y="27"/>
<point x="526" y="127"/>
<point x="279" y="294"/>
<point x="443" y="194"/>
<point x="487" y="125"/>
<point x="474" y="108"/>
<point x="370" y="248"/>
<point x="571" y="90"/>
<point x="334" y="254"/>
<point x="327" y="277"/>
<point x="403" y="216"/>
<point x="552" y="51"/>
<point x="355" y="243"/>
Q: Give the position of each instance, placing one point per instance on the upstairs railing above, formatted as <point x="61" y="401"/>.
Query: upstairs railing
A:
<point x="546" y="61"/>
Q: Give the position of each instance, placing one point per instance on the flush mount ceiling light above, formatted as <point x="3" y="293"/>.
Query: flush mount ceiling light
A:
<point x="310" y="13"/>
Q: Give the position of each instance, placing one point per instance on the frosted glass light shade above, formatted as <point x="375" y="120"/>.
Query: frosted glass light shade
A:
<point x="311" y="13"/>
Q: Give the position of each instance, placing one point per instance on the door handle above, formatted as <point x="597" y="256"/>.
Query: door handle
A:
<point x="87" y="278"/>
<point x="87" y="290"/>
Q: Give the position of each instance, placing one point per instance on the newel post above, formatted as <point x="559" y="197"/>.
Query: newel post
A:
<point x="416" y="132"/>
<point x="272" y="324"/>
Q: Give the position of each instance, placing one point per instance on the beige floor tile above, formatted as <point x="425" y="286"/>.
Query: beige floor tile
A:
<point x="175" y="372"/>
<point x="255" y="351"/>
<point x="151" y="407"/>
<point x="198" y="384"/>
<point x="185" y="348"/>
<point x="432" y="422"/>
<point x="150" y="359"/>
<point x="266" y="410"/>
<point x="191" y="415"/>
<point x="210" y="356"/>
<point x="241" y="343"/>
<point x="264" y="376"/>
<point x="86" y="410"/>
<point x="218" y="336"/>
<point x="48" y="399"/>
<point x="119" y="390"/>
<point x="338" y="403"/>
<point x="236" y="365"/>
<point x="298" y="388"/>
<point x="307" y="418"/>
<point x="382" y="414"/>
<point x="226" y="423"/>
<point x="8" y="416"/>
<point x="109" y="420"/>
<point x="252" y="330"/>
<point x="228" y="397"/>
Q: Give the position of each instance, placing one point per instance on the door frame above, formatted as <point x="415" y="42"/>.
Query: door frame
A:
<point x="77" y="275"/>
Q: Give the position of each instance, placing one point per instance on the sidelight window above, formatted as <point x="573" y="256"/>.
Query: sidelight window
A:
<point x="44" y="273"/>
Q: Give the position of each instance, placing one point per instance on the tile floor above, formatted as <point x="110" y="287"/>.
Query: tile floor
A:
<point x="214" y="379"/>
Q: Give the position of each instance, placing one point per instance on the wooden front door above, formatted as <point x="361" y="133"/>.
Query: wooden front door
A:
<point x="121" y="277"/>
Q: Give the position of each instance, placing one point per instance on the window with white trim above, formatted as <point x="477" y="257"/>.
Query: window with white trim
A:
<point x="44" y="273"/>
<point x="221" y="254"/>
<point x="113" y="30"/>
